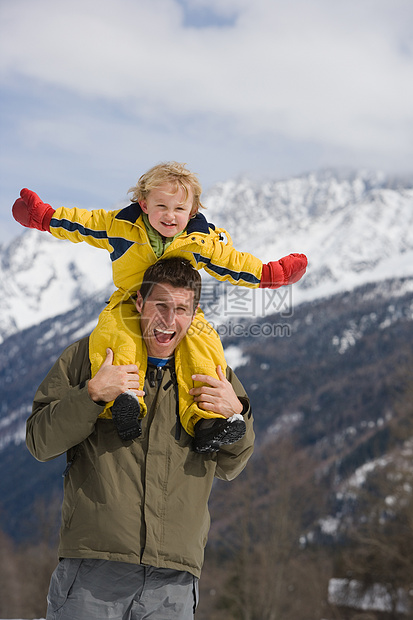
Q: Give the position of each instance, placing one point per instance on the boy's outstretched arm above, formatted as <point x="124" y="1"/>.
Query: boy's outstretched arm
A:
<point x="222" y="261"/>
<point x="73" y="224"/>
<point x="30" y="211"/>
<point x="287" y="270"/>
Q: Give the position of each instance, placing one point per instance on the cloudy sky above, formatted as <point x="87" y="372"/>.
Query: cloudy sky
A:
<point x="94" y="92"/>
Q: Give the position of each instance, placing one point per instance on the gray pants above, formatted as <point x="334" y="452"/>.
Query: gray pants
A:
<point x="97" y="589"/>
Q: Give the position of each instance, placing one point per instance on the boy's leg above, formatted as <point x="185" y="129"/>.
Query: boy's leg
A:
<point x="118" y="329"/>
<point x="200" y="352"/>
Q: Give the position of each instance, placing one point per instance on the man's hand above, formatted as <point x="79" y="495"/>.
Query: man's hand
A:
<point x="110" y="381"/>
<point x="217" y="396"/>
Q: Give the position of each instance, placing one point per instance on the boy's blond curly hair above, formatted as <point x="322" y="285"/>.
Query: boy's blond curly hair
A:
<point x="168" y="172"/>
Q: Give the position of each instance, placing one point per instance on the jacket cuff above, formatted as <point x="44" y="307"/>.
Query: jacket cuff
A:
<point x="246" y="406"/>
<point x="47" y="218"/>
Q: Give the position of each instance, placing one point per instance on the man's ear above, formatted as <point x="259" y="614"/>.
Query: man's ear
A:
<point x="139" y="301"/>
<point x="195" y="311"/>
<point x="143" y="206"/>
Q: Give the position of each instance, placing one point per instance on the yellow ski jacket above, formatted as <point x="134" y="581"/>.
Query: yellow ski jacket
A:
<point x="123" y="234"/>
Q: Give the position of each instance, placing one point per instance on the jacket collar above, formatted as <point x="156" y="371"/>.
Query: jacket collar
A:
<point x="196" y="224"/>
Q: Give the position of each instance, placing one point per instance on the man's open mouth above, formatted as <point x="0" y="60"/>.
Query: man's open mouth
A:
<point x="163" y="335"/>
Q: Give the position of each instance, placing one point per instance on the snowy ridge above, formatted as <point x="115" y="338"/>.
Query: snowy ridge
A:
<point x="355" y="228"/>
<point x="42" y="277"/>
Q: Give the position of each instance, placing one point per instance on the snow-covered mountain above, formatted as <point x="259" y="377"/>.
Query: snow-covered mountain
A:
<point x="333" y="382"/>
<point x="42" y="277"/>
<point x="355" y="228"/>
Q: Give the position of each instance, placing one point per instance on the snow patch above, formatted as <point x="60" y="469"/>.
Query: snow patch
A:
<point x="329" y="525"/>
<point x="378" y="597"/>
<point x="235" y="357"/>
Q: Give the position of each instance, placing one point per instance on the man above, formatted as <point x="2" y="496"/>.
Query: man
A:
<point x="135" y="517"/>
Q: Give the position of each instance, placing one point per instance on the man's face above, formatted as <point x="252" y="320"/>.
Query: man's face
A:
<point x="168" y="212"/>
<point x="165" y="318"/>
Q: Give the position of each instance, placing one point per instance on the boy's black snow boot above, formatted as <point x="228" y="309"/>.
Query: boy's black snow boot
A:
<point x="212" y="433"/>
<point x="125" y="414"/>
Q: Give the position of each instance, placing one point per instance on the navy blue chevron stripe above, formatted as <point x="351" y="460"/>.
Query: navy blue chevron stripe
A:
<point x="245" y="276"/>
<point x="76" y="227"/>
<point x="129" y="214"/>
<point x="120" y="245"/>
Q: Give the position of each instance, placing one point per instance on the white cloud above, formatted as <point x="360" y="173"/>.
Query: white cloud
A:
<point x="310" y="70"/>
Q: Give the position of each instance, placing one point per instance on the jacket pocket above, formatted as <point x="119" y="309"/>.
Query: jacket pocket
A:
<point x="62" y="582"/>
<point x="195" y="590"/>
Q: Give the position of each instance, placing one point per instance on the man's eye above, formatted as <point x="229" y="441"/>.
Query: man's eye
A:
<point x="181" y="311"/>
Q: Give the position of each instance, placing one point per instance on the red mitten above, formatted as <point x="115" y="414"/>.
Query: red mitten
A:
<point x="287" y="270"/>
<point x="32" y="212"/>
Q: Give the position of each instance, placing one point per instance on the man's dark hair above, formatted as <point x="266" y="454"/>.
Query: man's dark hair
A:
<point x="176" y="271"/>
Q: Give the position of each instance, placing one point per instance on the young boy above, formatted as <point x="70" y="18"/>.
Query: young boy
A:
<point x="163" y="220"/>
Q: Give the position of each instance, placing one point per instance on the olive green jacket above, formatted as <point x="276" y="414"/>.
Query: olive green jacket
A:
<point x="143" y="501"/>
